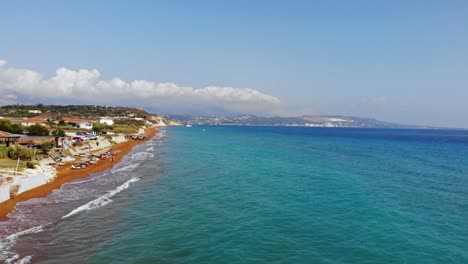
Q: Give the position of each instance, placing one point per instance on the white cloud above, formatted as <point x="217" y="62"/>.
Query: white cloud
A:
<point x="86" y="86"/>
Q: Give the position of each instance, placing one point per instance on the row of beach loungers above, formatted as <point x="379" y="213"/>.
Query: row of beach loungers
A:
<point x="84" y="151"/>
<point x="137" y="136"/>
<point x="57" y="159"/>
<point x="91" y="158"/>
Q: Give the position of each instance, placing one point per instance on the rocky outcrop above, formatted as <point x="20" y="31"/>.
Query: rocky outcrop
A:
<point x="162" y="122"/>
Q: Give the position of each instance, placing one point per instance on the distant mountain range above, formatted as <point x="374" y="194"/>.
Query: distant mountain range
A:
<point x="94" y="111"/>
<point x="303" y="121"/>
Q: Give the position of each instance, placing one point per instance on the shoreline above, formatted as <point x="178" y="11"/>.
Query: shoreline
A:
<point x="66" y="174"/>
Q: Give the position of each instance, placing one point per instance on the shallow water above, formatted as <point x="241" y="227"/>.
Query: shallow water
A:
<point x="259" y="195"/>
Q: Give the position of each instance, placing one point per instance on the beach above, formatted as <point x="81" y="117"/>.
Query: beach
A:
<point x="67" y="174"/>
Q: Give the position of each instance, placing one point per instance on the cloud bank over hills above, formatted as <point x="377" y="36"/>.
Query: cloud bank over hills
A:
<point x="86" y="86"/>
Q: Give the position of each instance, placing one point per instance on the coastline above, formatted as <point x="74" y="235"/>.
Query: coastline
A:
<point x="66" y="174"/>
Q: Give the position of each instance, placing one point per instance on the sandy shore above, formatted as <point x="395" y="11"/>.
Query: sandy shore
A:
<point x="66" y="174"/>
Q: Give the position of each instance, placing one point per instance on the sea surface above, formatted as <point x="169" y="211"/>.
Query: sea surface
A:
<point x="222" y="194"/>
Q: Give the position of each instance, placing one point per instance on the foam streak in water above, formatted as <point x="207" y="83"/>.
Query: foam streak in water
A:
<point x="7" y="243"/>
<point x="142" y="156"/>
<point x="24" y="260"/>
<point x="126" y="168"/>
<point x="103" y="200"/>
<point x="83" y="181"/>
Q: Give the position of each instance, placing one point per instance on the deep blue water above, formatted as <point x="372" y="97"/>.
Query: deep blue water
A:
<point x="268" y="195"/>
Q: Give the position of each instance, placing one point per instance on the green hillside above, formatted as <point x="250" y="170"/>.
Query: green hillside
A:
<point x="86" y="111"/>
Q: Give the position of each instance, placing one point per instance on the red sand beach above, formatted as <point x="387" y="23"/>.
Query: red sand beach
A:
<point x="66" y="174"/>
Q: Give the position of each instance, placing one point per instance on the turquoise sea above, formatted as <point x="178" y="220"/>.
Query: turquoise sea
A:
<point x="224" y="194"/>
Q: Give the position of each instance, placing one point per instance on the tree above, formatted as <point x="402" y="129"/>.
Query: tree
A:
<point x="38" y="130"/>
<point x="58" y="133"/>
<point x="98" y="127"/>
<point x="50" y="123"/>
<point x="16" y="129"/>
<point x="8" y="126"/>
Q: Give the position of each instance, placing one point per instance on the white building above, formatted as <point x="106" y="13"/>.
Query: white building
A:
<point x="81" y="123"/>
<point x="107" y="121"/>
<point x="35" y="111"/>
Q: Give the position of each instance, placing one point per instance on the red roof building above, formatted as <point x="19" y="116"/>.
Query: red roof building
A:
<point x="33" y="120"/>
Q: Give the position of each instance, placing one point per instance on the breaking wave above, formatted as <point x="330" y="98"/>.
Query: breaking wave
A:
<point x="6" y="244"/>
<point x="125" y="168"/>
<point x="141" y="156"/>
<point x="17" y="260"/>
<point x="103" y="200"/>
<point x="80" y="182"/>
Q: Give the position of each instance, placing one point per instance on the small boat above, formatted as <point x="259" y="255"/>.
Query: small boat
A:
<point x="188" y="125"/>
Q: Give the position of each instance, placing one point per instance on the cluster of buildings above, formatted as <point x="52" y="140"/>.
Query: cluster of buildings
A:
<point x="81" y="123"/>
<point x="8" y="138"/>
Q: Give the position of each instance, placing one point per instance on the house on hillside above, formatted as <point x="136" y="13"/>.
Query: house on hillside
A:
<point x="32" y="121"/>
<point x="106" y="120"/>
<point x="35" y="111"/>
<point x="81" y="123"/>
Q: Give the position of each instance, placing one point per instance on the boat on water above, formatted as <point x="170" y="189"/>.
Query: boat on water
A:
<point x="188" y="125"/>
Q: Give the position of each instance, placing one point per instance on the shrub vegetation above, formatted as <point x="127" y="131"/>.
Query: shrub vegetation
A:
<point x="38" y="130"/>
<point x="18" y="151"/>
<point x="8" y="126"/>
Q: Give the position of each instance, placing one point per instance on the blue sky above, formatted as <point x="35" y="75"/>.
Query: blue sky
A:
<point x="401" y="61"/>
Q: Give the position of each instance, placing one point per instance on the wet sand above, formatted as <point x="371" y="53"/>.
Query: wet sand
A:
<point x="66" y="174"/>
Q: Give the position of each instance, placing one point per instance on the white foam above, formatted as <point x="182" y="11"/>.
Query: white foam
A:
<point x="13" y="258"/>
<point x="126" y="168"/>
<point x="103" y="200"/>
<point x="32" y="230"/>
<point x="78" y="182"/>
<point x="141" y="156"/>
<point x="8" y="242"/>
<point x="24" y="260"/>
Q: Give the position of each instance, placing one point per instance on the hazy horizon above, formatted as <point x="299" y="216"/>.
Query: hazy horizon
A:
<point x="402" y="62"/>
